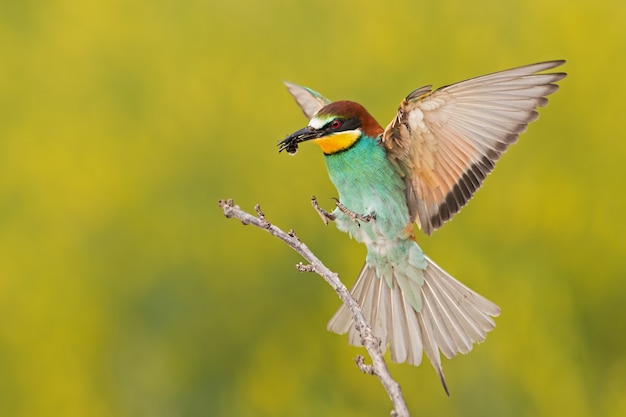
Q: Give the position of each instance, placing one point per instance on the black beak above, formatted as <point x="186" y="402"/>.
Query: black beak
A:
<point x="290" y="143"/>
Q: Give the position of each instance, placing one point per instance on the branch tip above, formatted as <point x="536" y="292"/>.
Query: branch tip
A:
<point x="366" y="369"/>
<point x="261" y="216"/>
<point x="257" y="208"/>
<point x="223" y="202"/>
<point x="292" y="233"/>
<point x="227" y="207"/>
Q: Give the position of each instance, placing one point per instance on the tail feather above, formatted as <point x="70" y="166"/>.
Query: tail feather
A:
<point x="430" y="346"/>
<point x="470" y="311"/>
<point x="435" y="313"/>
<point x="452" y="317"/>
<point x="460" y="333"/>
<point x="371" y="302"/>
<point x="381" y="327"/>
<point x="400" y="340"/>
<point x="413" y="335"/>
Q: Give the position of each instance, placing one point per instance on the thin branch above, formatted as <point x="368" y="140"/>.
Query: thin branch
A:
<point x="369" y="340"/>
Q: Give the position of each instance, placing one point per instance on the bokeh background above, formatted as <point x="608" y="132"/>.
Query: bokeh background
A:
<point x="125" y="292"/>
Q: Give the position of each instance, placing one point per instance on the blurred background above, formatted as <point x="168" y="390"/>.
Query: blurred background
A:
<point x="125" y="292"/>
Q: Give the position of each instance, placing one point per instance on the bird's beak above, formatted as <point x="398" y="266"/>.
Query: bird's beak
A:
<point x="290" y="143"/>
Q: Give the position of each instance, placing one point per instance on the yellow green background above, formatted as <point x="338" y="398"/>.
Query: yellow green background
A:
<point x="125" y="292"/>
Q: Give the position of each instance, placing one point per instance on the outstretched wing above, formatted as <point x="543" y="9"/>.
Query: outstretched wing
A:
<point x="446" y="141"/>
<point x="310" y="101"/>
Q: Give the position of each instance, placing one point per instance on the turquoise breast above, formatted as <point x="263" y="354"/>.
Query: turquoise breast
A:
<point x="367" y="182"/>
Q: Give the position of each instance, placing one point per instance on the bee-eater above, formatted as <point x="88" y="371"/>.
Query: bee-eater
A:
<point x="423" y="168"/>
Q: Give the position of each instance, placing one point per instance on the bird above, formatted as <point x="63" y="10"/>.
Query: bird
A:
<point x="422" y="168"/>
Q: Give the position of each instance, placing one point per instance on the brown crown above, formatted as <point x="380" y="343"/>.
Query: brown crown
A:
<point x="349" y="110"/>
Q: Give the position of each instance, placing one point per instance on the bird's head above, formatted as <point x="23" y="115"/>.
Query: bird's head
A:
<point x="335" y="128"/>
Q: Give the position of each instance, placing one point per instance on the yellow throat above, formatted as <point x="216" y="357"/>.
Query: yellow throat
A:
<point x="338" y="142"/>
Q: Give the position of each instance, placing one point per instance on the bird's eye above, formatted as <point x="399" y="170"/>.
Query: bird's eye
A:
<point x="335" y="124"/>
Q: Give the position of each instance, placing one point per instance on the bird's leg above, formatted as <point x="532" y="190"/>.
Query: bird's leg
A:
<point x="366" y="218"/>
<point x="326" y="216"/>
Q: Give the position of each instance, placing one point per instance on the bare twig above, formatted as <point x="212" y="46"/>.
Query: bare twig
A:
<point x="369" y="340"/>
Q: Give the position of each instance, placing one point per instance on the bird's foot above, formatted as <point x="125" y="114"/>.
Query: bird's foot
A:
<point x="326" y="216"/>
<point x="365" y="218"/>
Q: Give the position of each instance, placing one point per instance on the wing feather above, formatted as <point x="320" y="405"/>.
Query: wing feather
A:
<point x="447" y="141"/>
<point x="310" y="101"/>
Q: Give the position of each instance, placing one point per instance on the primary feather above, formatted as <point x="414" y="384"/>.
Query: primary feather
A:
<point x="446" y="141"/>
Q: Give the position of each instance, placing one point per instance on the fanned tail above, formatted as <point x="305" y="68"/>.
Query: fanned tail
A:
<point x="451" y="317"/>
